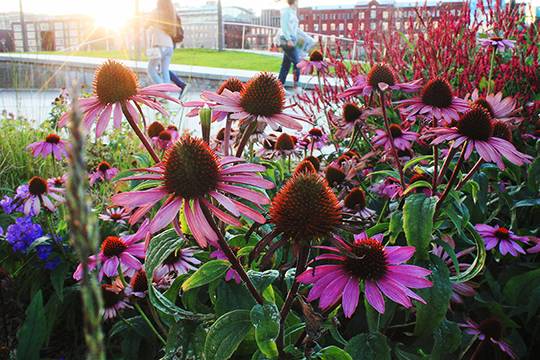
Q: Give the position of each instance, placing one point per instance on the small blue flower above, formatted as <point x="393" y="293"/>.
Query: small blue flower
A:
<point x="23" y="233"/>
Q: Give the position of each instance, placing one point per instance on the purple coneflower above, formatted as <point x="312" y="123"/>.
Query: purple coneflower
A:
<point x="489" y="331"/>
<point x="498" y="43"/>
<point x="138" y="284"/>
<point x="232" y="84"/>
<point x="498" y="235"/>
<point x="116" y="86"/>
<point x="389" y="188"/>
<point x="402" y="139"/>
<point x="52" y="145"/>
<point x="179" y="262"/>
<point x="39" y="193"/>
<point x="475" y="129"/>
<point x="499" y="108"/>
<point x="125" y="251"/>
<point x="114" y="299"/>
<point x="366" y="260"/>
<point x="314" y="63"/>
<point x="435" y="101"/>
<point x="262" y="99"/>
<point x="352" y="116"/>
<point x="355" y="204"/>
<point x="116" y="215"/>
<point x="58" y="182"/>
<point x="380" y="78"/>
<point x="104" y="172"/>
<point x="189" y="176"/>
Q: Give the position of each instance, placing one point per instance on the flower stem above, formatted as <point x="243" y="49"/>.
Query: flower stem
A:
<point x="469" y="174"/>
<point x="435" y="160"/>
<point x="286" y="308"/>
<point x="147" y="320"/>
<point x="446" y="163"/>
<point x="139" y="133"/>
<point x="248" y="131"/>
<point x="226" y="136"/>
<point x="492" y="62"/>
<point x="389" y="134"/>
<point x="235" y="263"/>
<point x="452" y="179"/>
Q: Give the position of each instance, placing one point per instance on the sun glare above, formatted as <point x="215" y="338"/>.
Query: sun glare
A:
<point x="114" y="15"/>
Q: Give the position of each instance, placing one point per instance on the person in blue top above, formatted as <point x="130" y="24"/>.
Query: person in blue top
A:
<point x="288" y="38"/>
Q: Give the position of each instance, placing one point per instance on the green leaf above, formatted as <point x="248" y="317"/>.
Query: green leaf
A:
<point x="261" y="280"/>
<point x="368" y="347"/>
<point x="447" y="339"/>
<point x="334" y="353"/>
<point x="415" y="161"/>
<point x="527" y="203"/>
<point x="478" y="263"/>
<point x="437" y="297"/>
<point x="418" y="223"/>
<point x="208" y="272"/>
<point x="226" y="334"/>
<point x="519" y="286"/>
<point x="33" y="332"/>
<point x="58" y="276"/>
<point x="417" y="184"/>
<point x="265" y="318"/>
<point x="396" y="226"/>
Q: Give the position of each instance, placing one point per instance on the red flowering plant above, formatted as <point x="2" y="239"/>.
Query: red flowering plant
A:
<point x="389" y="209"/>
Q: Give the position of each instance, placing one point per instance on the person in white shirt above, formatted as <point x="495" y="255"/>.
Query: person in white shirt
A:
<point x="288" y="38"/>
<point x="163" y="26"/>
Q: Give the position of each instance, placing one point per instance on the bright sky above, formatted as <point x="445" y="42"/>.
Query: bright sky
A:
<point x="108" y="12"/>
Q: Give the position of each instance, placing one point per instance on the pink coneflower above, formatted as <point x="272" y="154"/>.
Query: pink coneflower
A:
<point x="163" y="140"/>
<point x="489" y="331"/>
<point x="355" y="204"/>
<point x="436" y="101"/>
<point x="315" y="138"/>
<point x="189" y="176"/>
<point x="138" y="284"/>
<point x="104" y="172"/>
<point x="389" y="188"/>
<point x="314" y="63"/>
<point x="402" y="139"/>
<point x="498" y="43"/>
<point x="366" y="260"/>
<point x="125" y="251"/>
<point x="262" y="99"/>
<point x="536" y="248"/>
<point x="58" y="182"/>
<point x="231" y="273"/>
<point x="173" y="130"/>
<point x="285" y="145"/>
<point x="52" y="145"/>
<point x="352" y="116"/>
<point x="179" y="262"/>
<point x="499" y="108"/>
<point x="475" y="128"/>
<point x="498" y="235"/>
<point x="114" y="299"/>
<point x="116" y="215"/>
<point x="232" y="84"/>
<point x="39" y="193"/>
<point x="380" y="78"/>
<point x="116" y="86"/>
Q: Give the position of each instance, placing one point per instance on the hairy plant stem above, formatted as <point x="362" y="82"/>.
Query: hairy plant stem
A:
<point x="389" y="134"/>
<point x="140" y="134"/>
<point x="435" y="160"/>
<point x="235" y="263"/>
<point x="227" y="135"/>
<point x="286" y="308"/>
<point x="248" y="131"/>
<point x="470" y="174"/>
<point x="451" y="180"/>
<point x="449" y="157"/>
<point x="83" y="235"/>
<point x="492" y="62"/>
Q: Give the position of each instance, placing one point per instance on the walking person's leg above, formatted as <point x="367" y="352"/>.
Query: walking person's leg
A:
<point x="166" y="54"/>
<point x="285" y="65"/>
<point x="152" y="70"/>
<point x="177" y="80"/>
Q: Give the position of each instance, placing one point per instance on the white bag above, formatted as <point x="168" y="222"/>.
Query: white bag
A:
<point x="153" y="53"/>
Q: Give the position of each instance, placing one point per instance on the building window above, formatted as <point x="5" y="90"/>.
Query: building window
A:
<point x="385" y="25"/>
<point x="333" y="27"/>
<point x="373" y="14"/>
<point x="302" y="26"/>
<point x="385" y="14"/>
<point x="324" y="27"/>
<point x="362" y="26"/>
<point x="361" y="15"/>
<point x="398" y="25"/>
<point x="315" y="27"/>
<point x="341" y="27"/>
<point x="372" y="26"/>
<point x="349" y="26"/>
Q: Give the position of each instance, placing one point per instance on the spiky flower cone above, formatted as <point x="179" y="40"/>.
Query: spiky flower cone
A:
<point x="305" y="208"/>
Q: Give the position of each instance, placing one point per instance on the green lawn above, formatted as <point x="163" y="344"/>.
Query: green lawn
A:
<point x="201" y="57"/>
